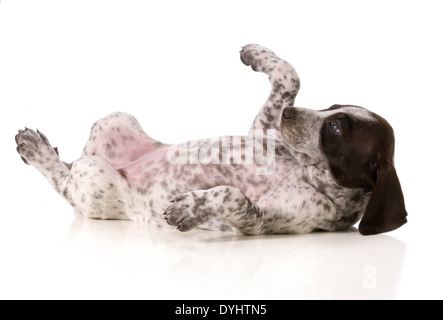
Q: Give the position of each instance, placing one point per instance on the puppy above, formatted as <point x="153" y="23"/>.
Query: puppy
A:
<point x="298" y="170"/>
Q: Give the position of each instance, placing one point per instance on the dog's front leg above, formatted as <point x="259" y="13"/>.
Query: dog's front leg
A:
<point x="285" y="84"/>
<point x="272" y="215"/>
<point x="189" y="210"/>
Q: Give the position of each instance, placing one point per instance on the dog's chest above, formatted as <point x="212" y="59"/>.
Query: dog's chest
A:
<point x="156" y="180"/>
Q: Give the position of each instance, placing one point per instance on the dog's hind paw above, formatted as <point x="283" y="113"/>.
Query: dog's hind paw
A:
<point x="34" y="148"/>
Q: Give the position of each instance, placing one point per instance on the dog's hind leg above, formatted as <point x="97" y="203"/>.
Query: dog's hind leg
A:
<point x="119" y="139"/>
<point x="35" y="150"/>
<point x="91" y="185"/>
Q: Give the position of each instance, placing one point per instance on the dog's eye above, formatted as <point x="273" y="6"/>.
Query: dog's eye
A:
<point x="335" y="127"/>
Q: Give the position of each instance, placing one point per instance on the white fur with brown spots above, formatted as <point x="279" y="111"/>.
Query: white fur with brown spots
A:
<point x="125" y="174"/>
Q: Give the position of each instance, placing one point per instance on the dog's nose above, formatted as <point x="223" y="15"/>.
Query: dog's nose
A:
<point x="289" y="113"/>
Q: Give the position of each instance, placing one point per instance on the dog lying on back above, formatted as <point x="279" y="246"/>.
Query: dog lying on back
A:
<point x="298" y="170"/>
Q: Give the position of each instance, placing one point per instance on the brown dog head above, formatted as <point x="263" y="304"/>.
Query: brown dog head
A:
<point x="359" y="147"/>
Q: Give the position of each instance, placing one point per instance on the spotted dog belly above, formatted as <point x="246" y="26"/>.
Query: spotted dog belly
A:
<point x="161" y="175"/>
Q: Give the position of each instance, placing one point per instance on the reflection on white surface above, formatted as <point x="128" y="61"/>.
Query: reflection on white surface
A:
<point x="149" y="263"/>
<point x="45" y="253"/>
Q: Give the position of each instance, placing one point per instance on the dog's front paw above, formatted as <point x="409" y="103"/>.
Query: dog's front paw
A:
<point x="34" y="148"/>
<point x="188" y="211"/>
<point x="259" y="58"/>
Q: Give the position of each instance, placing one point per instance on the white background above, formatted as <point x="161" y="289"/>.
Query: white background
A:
<point x="175" y="66"/>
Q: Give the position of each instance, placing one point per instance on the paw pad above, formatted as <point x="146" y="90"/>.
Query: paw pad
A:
<point x="33" y="146"/>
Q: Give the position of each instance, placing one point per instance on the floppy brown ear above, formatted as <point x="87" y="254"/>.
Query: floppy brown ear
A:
<point x="386" y="208"/>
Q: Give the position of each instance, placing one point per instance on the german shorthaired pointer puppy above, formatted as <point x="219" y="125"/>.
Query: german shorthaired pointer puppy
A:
<point x="297" y="171"/>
